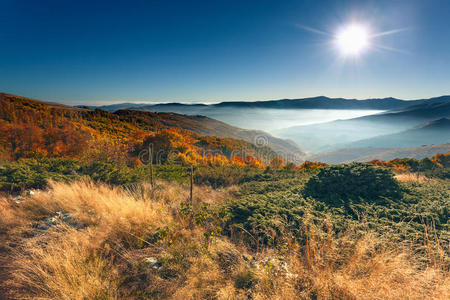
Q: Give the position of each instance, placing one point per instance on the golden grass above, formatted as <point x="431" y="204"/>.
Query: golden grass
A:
<point x="367" y="269"/>
<point x="414" y="177"/>
<point x="102" y="257"/>
<point x="8" y="218"/>
<point x="65" y="268"/>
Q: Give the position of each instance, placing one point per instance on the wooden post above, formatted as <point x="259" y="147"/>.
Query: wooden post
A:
<point x="150" y="155"/>
<point x="192" y="182"/>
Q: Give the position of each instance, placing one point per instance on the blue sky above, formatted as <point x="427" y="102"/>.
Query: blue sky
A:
<point x="81" y="52"/>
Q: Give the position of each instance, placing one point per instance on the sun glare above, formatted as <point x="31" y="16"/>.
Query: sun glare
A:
<point x="352" y="39"/>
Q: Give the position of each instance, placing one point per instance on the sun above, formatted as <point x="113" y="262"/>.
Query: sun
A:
<point x="352" y="39"/>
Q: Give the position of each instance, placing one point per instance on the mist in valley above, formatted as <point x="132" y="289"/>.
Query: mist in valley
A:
<point x="270" y="120"/>
<point x="324" y="130"/>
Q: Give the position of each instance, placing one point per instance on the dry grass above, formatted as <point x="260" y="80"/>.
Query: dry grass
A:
<point x="366" y="269"/>
<point x="102" y="257"/>
<point x="414" y="177"/>
<point x="66" y="263"/>
<point x="65" y="268"/>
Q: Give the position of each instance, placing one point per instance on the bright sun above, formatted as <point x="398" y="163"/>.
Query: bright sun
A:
<point x="352" y="39"/>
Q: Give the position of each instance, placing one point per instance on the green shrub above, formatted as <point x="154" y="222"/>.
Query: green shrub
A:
<point x="33" y="173"/>
<point x="169" y="172"/>
<point x="442" y="173"/>
<point x="26" y="174"/>
<point x="112" y="173"/>
<point x="218" y="177"/>
<point x="271" y="218"/>
<point x="341" y="184"/>
<point x="267" y="213"/>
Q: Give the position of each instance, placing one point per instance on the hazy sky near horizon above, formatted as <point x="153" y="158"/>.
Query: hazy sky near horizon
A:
<point x="95" y="52"/>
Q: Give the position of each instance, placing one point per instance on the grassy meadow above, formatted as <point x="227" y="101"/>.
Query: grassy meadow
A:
<point x="246" y="234"/>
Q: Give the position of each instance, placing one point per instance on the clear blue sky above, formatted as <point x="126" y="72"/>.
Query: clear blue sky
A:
<point x="83" y="52"/>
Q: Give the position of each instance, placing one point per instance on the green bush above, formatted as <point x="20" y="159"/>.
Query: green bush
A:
<point x="26" y="174"/>
<point x="218" y="177"/>
<point x="169" y="172"/>
<point x="262" y="219"/>
<point x="442" y="173"/>
<point x="112" y="173"/>
<point x="268" y="212"/>
<point x="33" y="173"/>
<point x="356" y="183"/>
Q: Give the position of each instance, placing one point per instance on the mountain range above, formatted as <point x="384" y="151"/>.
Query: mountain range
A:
<point x="320" y="102"/>
<point x="429" y="133"/>
<point x="359" y="131"/>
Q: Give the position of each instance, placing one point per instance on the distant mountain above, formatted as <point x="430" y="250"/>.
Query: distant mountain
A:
<point x="320" y="102"/>
<point x="141" y="106"/>
<point x="434" y="132"/>
<point x="365" y="154"/>
<point x="342" y="133"/>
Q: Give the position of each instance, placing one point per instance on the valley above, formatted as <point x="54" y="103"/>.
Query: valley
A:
<point x="321" y="124"/>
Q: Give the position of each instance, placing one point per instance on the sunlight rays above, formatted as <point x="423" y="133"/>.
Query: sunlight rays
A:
<point x="353" y="39"/>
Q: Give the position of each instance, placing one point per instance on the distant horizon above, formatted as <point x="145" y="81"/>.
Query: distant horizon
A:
<point x="93" y="102"/>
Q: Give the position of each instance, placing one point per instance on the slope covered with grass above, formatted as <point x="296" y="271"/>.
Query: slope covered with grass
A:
<point x="263" y="237"/>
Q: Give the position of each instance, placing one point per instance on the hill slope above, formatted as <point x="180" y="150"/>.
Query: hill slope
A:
<point x="365" y="154"/>
<point x="433" y="132"/>
<point x="338" y="134"/>
<point x="210" y="127"/>
<point x="36" y="128"/>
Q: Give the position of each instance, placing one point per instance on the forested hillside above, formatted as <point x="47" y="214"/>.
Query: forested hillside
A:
<point x="36" y="129"/>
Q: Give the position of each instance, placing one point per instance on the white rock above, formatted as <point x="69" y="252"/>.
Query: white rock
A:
<point x="152" y="262"/>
